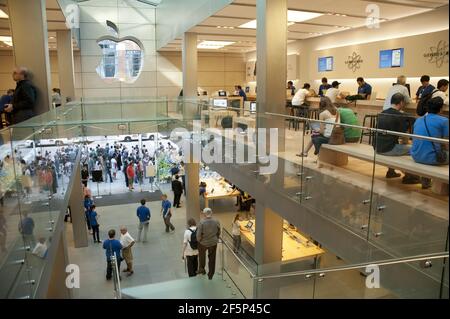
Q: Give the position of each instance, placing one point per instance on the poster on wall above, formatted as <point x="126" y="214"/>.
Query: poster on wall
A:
<point x="250" y="73"/>
<point x="325" y="64"/>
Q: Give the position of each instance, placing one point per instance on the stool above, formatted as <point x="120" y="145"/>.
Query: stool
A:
<point x="372" y="119"/>
<point x="313" y="114"/>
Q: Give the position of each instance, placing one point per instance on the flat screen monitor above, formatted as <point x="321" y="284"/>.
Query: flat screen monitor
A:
<point x="325" y="64"/>
<point x="222" y="93"/>
<point x="252" y="107"/>
<point x="247" y="89"/>
<point x="393" y="58"/>
<point x="220" y="103"/>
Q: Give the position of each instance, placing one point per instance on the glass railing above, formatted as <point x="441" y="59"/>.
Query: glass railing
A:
<point x="390" y="279"/>
<point x="35" y="184"/>
<point x="341" y="198"/>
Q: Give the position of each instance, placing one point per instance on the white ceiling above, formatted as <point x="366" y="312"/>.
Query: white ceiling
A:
<point x="354" y="11"/>
<point x="55" y="22"/>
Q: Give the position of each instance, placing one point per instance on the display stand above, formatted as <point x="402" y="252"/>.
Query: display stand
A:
<point x="97" y="177"/>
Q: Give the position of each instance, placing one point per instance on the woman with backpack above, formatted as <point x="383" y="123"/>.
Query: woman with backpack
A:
<point x="190" y="247"/>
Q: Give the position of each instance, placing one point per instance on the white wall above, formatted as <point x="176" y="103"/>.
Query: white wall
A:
<point x="416" y="34"/>
<point x="7" y="66"/>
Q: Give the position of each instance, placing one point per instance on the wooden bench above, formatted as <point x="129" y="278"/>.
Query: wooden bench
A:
<point x="338" y="155"/>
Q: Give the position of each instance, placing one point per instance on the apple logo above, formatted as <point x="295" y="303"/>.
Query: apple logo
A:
<point x="122" y="58"/>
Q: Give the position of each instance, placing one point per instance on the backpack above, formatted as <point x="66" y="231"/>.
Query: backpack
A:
<point x="193" y="242"/>
<point x="422" y="104"/>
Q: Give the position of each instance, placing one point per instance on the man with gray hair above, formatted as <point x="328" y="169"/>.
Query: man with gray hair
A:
<point x="127" y="242"/>
<point x="23" y="102"/>
<point x="399" y="87"/>
<point x="208" y="233"/>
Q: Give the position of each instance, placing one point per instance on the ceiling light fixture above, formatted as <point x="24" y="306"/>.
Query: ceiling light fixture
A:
<point x="293" y="17"/>
<point x="213" y="45"/>
<point x="3" y="14"/>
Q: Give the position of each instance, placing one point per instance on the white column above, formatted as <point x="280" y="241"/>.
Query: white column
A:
<point x="271" y="41"/>
<point x="190" y="62"/>
<point x="65" y="65"/>
<point x="30" y="43"/>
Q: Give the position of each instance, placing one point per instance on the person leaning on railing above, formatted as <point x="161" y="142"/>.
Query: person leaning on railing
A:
<point x="433" y="125"/>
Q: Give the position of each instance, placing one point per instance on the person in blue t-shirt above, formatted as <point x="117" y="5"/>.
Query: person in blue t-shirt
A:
<point x="5" y="100"/>
<point x="364" y="89"/>
<point x="425" y="89"/>
<point x="240" y="92"/>
<point x="87" y="206"/>
<point x="434" y="125"/>
<point x="324" y="87"/>
<point x="112" y="247"/>
<point x="166" y="211"/>
<point x="174" y="170"/>
<point x="93" y="221"/>
<point x="143" y="213"/>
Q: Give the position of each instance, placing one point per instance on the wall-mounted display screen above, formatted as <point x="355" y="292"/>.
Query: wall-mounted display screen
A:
<point x="326" y="64"/>
<point x="391" y="58"/>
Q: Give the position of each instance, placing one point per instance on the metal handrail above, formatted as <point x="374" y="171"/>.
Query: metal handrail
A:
<point x="356" y="266"/>
<point x="428" y="138"/>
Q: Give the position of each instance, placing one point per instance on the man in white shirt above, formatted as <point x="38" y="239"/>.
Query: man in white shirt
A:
<point x="397" y="88"/>
<point x="442" y="87"/>
<point x="190" y="245"/>
<point x="127" y="242"/>
<point x="333" y="93"/>
<point x="299" y="98"/>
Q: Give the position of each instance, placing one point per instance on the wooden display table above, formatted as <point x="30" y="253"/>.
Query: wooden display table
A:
<point x="221" y="190"/>
<point x="295" y="245"/>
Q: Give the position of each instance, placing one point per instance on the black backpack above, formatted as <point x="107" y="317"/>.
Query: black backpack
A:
<point x="193" y="242"/>
<point x="422" y="105"/>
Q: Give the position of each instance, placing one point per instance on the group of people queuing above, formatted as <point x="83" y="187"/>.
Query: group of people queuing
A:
<point x="112" y="159"/>
<point x="42" y="171"/>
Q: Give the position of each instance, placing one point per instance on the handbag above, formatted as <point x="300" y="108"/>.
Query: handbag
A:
<point x="337" y="134"/>
<point x="441" y="156"/>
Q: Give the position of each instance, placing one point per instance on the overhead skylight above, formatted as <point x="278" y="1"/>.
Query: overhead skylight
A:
<point x="213" y="45"/>
<point x="3" y="14"/>
<point x="293" y="17"/>
<point x="6" y="40"/>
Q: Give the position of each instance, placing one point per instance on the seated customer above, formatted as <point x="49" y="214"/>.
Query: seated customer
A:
<point x="393" y="119"/>
<point x="328" y="115"/>
<point x="442" y="87"/>
<point x="434" y="125"/>
<point x="364" y="89"/>
<point x="347" y="116"/>
<point x="399" y="87"/>
<point x="299" y="100"/>
<point x="290" y="86"/>
<point x="333" y="93"/>
<point x="324" y="87"/>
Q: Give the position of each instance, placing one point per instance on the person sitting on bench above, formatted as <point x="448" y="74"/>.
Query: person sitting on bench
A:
<point x="392" y="119"/>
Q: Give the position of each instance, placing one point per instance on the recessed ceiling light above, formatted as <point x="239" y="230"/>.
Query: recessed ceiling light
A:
<point x="213" y="45"/>
<point x="3" y="14"/>
<point x="293" y="16"/>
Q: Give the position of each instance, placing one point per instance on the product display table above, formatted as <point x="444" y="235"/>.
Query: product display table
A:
<point x="295" y="245"/>
<point x="217" y="188"/>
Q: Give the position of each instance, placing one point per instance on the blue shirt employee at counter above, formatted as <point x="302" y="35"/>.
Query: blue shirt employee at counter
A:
<point x="426" y="88"/>
<point x="241" y="92"/>
<point x="324" y="87"/>
<point x="364" y="88"/>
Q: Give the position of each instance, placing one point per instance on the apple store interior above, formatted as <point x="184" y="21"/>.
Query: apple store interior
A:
<point x="224" y="149"/>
